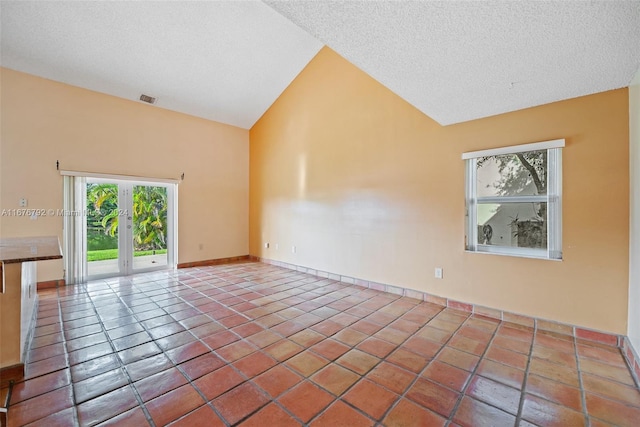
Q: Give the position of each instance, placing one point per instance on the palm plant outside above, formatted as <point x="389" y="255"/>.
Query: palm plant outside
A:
<point x="149" y="220"/>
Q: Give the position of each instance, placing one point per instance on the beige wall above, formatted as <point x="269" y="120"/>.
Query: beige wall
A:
<point x="44" y="121"/>
<point x="634" y="246"/>
<point x="366" y="186"/>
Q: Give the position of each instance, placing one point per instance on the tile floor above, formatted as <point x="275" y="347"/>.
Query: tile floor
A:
<point x="251" y="344"/>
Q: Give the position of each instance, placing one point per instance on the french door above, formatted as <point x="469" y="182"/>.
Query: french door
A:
<point x="119" y="227"/>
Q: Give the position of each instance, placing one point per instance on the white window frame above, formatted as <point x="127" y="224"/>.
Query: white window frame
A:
<point x="553" y="198"/>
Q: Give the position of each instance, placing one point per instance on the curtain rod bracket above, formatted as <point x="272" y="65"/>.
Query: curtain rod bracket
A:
<point x="182" y="176"/>
<point x="57" y="165"/>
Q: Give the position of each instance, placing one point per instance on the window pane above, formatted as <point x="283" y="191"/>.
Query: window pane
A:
<point x="149" y="227"/>
<point x="521" y="225"/>
<point x="521" y="174"/>
<point x="103" y="217"/>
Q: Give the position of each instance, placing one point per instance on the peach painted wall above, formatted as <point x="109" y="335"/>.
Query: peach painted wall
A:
<point x="634" y="245"/>
<point x="366" y="186"/>
<point x="44" y="121"/>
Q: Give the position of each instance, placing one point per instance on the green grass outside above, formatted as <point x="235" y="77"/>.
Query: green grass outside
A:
<point x="106" y="254"/>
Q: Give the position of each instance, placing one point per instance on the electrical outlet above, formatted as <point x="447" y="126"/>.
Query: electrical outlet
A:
<point x="438" y="273"/>
<point x="266" y="245"/>
<point x="293" y="249"/>
<point x="23" y="203"/>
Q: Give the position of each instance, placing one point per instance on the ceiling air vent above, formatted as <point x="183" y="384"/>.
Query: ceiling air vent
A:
<point x="148" y="99"/>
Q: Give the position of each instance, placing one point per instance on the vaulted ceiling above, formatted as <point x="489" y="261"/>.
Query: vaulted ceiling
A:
<point x="228" y="61"/>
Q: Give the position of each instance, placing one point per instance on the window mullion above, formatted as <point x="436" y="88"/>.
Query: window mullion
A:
<point x="512" y="199"/>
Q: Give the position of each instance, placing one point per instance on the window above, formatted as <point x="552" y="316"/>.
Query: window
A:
<point x="514" y="204"/>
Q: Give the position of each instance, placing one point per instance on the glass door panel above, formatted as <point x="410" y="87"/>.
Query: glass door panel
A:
<point x="103" y="253"/>
<point x="149" y="228"/>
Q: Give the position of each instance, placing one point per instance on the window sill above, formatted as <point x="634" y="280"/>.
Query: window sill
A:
<point x="515" y="255"/>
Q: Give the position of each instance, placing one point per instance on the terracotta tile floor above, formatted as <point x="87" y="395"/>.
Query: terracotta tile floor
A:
<point x="255" y="345"/>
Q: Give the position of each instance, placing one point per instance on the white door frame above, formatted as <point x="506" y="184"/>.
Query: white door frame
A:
<point x="75" y="224"/>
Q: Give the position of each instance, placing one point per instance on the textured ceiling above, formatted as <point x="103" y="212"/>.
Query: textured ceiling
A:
<point x="229" y="61"/>
<point x="224" y="61"/>
<point x="462" y="60"/>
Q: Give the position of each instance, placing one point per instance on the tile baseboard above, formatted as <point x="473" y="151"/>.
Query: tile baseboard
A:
<point x="11" y="373"/>
<point x="550" y="326"/>
<point x="632" y="358"/>
<point x="217" y="261"/>
<point x="51" y="284"/>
